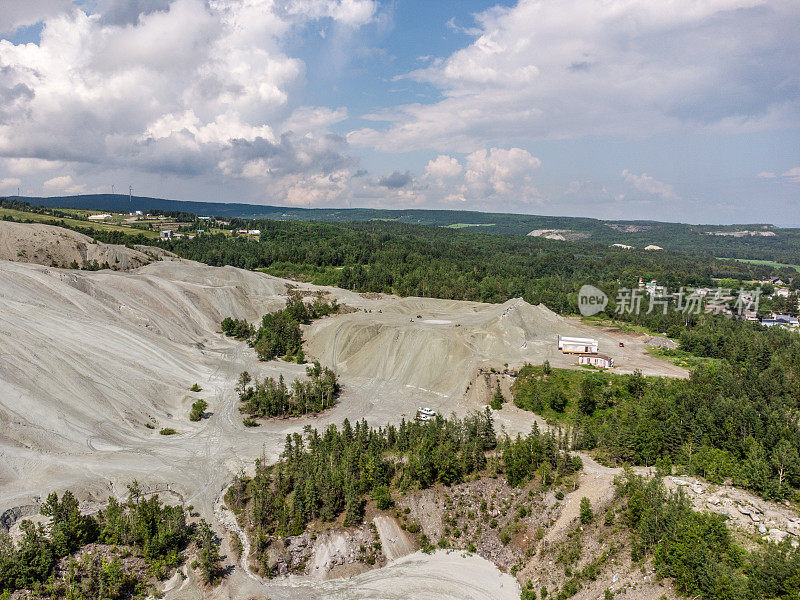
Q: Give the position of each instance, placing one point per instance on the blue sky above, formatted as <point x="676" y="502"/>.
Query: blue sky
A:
<point x="682" y="111"/>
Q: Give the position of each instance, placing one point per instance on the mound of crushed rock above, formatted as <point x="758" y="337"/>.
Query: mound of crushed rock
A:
<point x="58" y="247"/>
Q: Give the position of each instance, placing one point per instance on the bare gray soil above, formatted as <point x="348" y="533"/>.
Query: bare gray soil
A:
<point x="89" y="359"/>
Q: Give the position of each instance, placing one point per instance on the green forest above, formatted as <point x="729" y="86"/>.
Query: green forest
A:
<point x="780" y="244"/>
<point x="331" y="475"/>
<point x="697" y="550"/>
<point x="444" y="263"/>
<point x="734" y="419"/>
<point x="146" y="529"/>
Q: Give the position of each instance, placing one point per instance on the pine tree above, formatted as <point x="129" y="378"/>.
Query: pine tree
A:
<point x="209" y="559"/>
<point x="497" y="399"/>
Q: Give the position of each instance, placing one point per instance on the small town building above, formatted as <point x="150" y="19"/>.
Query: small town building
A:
<point x="100" y="217"/>
<point x="781" y="321"/>
<point x="577" y="345"/>
<point x="425" y="414"/>
<point x="601" y="361"/>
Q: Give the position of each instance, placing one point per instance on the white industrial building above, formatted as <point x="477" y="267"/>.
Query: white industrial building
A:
<point x="425" y="414"/>
<point x="596" y="360"/>
<point x="577" y="345"/>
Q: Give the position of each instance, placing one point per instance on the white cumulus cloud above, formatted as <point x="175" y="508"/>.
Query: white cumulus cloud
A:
<point x="178" y="87"/>
<point x="650" y="185"/>
<point x="575" y="68"/>
<point x="63" y="184"/>
<point x="792" y="175"/>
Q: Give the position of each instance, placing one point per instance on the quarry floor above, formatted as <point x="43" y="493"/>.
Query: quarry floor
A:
<point x="87" y="359"/>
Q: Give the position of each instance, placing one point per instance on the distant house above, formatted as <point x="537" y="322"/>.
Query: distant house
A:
<point x="653" y="289"/>
<point x="253" y="232"/>
<point x="167" y="234"/>
<point x="781" y="321"/>
<point x="600" y="361"/>
<point x="99" y="217"/>
<point x="781" y="292"/>
<point x="425" y="414"/>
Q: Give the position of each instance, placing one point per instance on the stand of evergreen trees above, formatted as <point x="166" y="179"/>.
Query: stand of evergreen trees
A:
<point x="697" y="551"/>
<point x="279" y="333"/>
<point x="158" y="533"/>
<point x="325" y="476"/>
<point x="270" y="398"/>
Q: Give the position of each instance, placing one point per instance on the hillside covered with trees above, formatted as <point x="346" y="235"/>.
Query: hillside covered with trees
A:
<point x="735" y="419"/>
<point x="153" y="534"/>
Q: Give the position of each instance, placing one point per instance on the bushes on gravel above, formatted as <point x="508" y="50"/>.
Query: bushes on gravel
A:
<point x="270" y="398"/>
<point x="279" y="333"/>
<point x="198" y="410"/>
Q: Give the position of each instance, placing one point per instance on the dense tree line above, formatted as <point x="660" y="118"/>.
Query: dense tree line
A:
<point x="779" y="244"/>
<point x="270" y="398"/>
<point x="734" y="419"/>
<point x="324" y="476"/>
<point x="158" y="532"/>
<point x="697" y="551"/>
<point x="445" y="263"/>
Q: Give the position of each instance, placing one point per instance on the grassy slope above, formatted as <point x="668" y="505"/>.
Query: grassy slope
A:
<point x="49" y="220"/>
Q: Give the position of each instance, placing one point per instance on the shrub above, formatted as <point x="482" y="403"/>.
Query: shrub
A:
<point x="195" y="388"/>
<point x="198" y="409"/>
<point x="168" y="431"/>
<point x="587" y="515"/>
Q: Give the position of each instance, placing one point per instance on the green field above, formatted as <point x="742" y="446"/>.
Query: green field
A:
<point x="50" y="220"/>
<point x="766" y="263"/>
<point x="463" y="225"/>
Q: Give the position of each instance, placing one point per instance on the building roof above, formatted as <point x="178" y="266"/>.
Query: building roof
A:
<point x="589" y="355"/>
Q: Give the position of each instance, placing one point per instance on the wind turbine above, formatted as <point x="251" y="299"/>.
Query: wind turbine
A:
<point x="130" y="194"/>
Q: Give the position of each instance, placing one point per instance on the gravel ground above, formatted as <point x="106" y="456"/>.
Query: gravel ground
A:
<point x="87" y="359"/>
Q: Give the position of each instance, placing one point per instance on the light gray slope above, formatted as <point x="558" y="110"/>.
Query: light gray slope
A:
<point x="87" y="358"/>
<point x="50" y="245"/>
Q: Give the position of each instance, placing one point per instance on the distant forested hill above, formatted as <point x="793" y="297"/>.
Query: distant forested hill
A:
<point x="750" y="241"/>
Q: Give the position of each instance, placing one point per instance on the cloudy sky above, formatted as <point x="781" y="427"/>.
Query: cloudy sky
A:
<point x="673" y="110"/>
